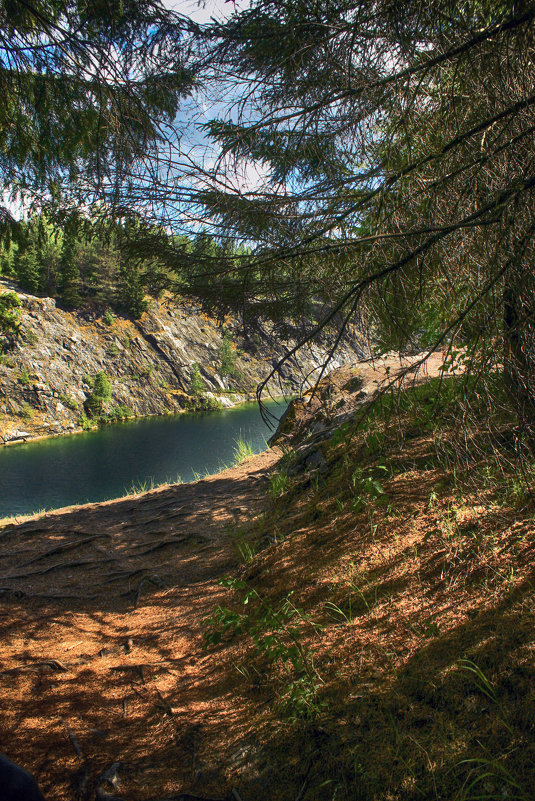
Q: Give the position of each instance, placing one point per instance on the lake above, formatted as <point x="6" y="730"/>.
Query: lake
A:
<point x="119" y="459"/>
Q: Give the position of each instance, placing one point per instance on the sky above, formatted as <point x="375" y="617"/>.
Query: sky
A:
<point x="203" y="11"/>
<point x="244" y="177"/>
<point x="194" y="112"/>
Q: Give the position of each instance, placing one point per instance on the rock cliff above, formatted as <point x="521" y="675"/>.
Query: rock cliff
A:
<point x="45" y="378"/>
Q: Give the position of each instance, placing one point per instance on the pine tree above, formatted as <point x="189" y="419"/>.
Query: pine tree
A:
<point x="131" y="289"/>
<point x="69" y="271"/>
<point x="90" y="82"/>
<point x="197" y="387"/>
<point x="396" y="147"/>
<point x="27" y="268"/>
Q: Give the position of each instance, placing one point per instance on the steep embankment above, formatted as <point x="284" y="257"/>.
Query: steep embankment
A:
<point x="376" y="641"/>
<point x="46" y="377"/>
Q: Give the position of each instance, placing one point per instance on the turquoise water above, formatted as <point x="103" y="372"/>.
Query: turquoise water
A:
<point x="125" y="457"/>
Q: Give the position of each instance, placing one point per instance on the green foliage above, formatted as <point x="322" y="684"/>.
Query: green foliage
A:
<point x="487" y="778"/>
<point x="141" y="486"/>
<point x="70" y="271"/>
<point x="115" y="414"/>
<point x="366" y="487"/>
<point x="131" y="289"/>
<point x="24" y="376"/>
<point x="86" y="262"/>
<point x="29" y="337"/>
<point x="100" y="416"/>
<point x="27" y="268"/>
<point x="242" y="450"/>
<point x="6" y="361"/>
<point x="86" y="423"/>
<point x="244" y="546"/>
<point x="227" y="355"/>
<point x="99" y="395"/>
<point x="341" y="435"/>
<point x="197" y="387"/>
<point x="203" y="403"/>
<point x="69" y="402"/>
<point x="146" y="372"/>
<point x="409" y="215"/>
<point x="93" y="96"/>
<point x="9" y="318"/>
<point x="26" y="411"/>
<point x="278" y="484"/>
<point x="275" y="629"/>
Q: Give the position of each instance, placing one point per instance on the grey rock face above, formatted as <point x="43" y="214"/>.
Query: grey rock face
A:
<point x="45" y="379"/>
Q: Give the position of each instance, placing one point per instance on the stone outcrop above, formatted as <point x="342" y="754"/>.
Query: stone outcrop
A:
<point x="45" y="378"/>
<point x="309" y="423"/>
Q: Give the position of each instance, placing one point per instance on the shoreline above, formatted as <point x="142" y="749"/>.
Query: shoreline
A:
<point x="246" y="467"/>
<point x="226" y="463"/>
<point x="30" y="437"/>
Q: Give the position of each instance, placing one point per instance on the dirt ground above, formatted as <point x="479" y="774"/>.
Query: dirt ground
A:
<point x="102" y="655"/>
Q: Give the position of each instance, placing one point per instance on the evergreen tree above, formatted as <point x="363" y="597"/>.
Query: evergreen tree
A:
<point x="27" y="268"/>
<point x="91" y="83"/>
<point x="9" y="319"/>
<point x="396" y="148"/>
<point x="69" y="271"/>
<point x="99" y="395"/>
<point x="131" y="289"/>
<point x="197" y="387"/>
<point x="227" y="355"/>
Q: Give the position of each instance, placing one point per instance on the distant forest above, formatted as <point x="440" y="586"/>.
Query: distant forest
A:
<point x="102" y="264"/>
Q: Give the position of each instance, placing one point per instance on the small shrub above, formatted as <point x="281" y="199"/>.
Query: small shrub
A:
<point x="204" y="403"/>
<point x="275" y="629"/>
<point x="24" y="377"/>
<point x="108" y="317"/>
<point x="26" y="412"/>
<point x="197" y="387"/>
<point x="366" y="488"/>
<point x="69" y="402"/>
<point x="99" y="395"/>
<point x="85" y="422"/>
<point x="30" y="337"/>
<point x="146" y="372"/>
<point x="6" y="361"/>
<point x="113" y="350"/>
<point x="116" y="414"/>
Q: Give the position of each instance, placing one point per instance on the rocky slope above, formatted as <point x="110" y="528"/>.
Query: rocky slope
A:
<point x="46" y="377"/>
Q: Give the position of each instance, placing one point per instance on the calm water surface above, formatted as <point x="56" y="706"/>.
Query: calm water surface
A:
<point x="117" y="459"/>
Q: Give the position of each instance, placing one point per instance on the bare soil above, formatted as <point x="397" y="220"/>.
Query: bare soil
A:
<point x="102" y="649"/>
